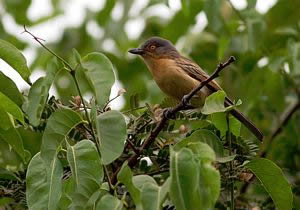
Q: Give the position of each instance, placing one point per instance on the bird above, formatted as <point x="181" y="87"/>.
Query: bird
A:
<point x="177" y="76"/>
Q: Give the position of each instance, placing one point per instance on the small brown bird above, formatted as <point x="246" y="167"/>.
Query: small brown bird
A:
<point x="176" y="76"/>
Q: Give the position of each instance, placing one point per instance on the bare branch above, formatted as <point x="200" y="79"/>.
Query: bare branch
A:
<point x="133" y="160"/>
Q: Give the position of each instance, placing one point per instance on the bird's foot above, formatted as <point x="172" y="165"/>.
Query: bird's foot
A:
<point x="185" y="101"/>
<point x="168" y="113"/>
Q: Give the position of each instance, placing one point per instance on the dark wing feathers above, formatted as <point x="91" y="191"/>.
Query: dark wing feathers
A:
<point x="194" y="71"/>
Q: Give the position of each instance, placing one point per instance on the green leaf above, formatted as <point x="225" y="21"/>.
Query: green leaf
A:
<point x="43" y="183"/>
<point x="9" y="159"/>
<point x="99" y="70"/>
<point x="58" y="126"/>
<point x="13" y="138"/>
<point x="154" y="193"/>
<point x="274" y="181"/>
<point x="202" y="151"/>
<point x="9" y="106"/>
<point x="140" y="180"/>
<point x="220" y="121"/>
<point x="226" y="159"/>
<point x="195" y="183"/>
<point x="125" y="177"/>
<point x="111" y="130"/>
<point x="109" y="202"/>
<point x="185" y="7"/>
<point x="5" y="174"/>
<point x="38" y="95"/>
<point x="184" y="173"/>
<point x="6" y="201"/>
<point x="87" y="172"/>
<point x="94" y="199"/>
<point x="9" y="88"/>
<point x="31" y="139"/>
<point x="214" y="103"/>
<point x="76" y="56"/>
<point x="205" y="136"/>
<point x="6" y="120"/>
<point x="67" y="189"/>
<point x="11" y="55"/>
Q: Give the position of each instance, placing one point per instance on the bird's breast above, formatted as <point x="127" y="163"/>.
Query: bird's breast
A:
<point x="173" y="80"/>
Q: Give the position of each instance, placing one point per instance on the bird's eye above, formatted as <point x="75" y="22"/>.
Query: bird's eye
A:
<point x="152" y="47"/>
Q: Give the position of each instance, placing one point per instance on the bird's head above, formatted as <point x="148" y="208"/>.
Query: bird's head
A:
<point x="155" y="48"/>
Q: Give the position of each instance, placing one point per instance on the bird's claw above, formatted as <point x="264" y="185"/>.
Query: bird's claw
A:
<point x="168" y="114"/>
<point x="185" y="100"/>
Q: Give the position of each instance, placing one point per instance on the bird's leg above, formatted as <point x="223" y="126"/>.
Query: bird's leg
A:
<point x="185" y="101"/>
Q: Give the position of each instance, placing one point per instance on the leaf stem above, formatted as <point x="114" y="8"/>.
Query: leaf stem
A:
<point x="228" y="137"/>
<point x="72" y="72"/>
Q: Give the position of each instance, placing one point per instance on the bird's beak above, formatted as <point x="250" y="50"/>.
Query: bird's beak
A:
<point x="137" y="51"/>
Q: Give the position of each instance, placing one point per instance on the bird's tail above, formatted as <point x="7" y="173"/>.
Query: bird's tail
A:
<point x="239" y="115"/>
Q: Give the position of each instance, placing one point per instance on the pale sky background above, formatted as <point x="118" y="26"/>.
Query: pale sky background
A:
<point x="74" y="14"/>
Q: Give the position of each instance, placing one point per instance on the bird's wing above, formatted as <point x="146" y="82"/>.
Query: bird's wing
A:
<point x="195" y="71"/>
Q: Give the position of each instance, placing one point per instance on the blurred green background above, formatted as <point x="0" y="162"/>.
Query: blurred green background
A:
<point x="263" y="35"/>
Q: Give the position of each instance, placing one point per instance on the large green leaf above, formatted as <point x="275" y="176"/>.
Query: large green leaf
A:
<point x="154" y="193"/>
<point x="274" y="181"/>
<point x="87" y="172"/>
<point x="9" y="106"/>
<point x="99" y="70"/>
<point x="205" y="136"/>
<point x="13" y="138"/>
<point x="220" y="121"/>
<point x="109" y="202"/>
<point x="67" y="190"/>
<point x="140" y="180"/>
<point x="184" y="173"/>
<point x="11" y="55"/>
<point x="125" y="177"/>
<point x="32" y="140"/>
<point x="38" y="95"/>
<point x="210" y="180"/>
<point x="214" y="103"/>
<point x="111" y="130"/>
<point x="43" y="183"/>
<point x="9" y="88"/>
<point x="58" y="126"/>
<point x="195" y="183"/>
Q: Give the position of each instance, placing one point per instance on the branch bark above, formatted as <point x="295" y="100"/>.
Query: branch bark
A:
<point x="133" y="160"/>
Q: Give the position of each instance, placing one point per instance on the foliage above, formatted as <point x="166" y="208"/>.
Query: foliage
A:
<point x="70" y="152"/>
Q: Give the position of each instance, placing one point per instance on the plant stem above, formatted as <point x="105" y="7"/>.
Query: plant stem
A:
<point x="72" y="72"/>
<point x="91" y="129"/>
<point x="228" y="136"/>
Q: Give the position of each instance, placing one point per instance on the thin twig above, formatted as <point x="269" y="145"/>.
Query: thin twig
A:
<point x="72" y="72"/>
<point x="107" y="103"/>
<point x="285" y="117"/>
<point x="132" y="161"/>
<point x="132" y="146"/>
<point x="46" y="48"/>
